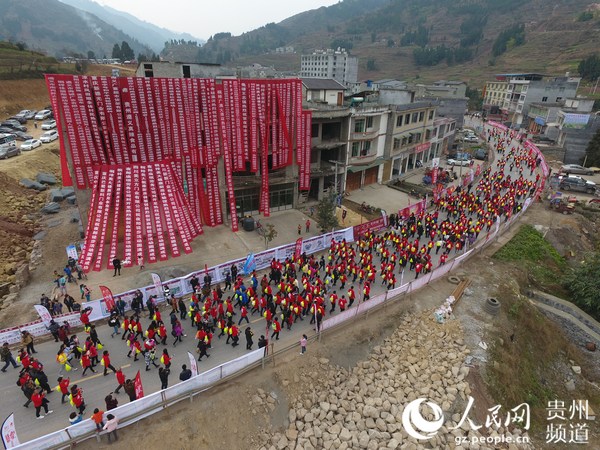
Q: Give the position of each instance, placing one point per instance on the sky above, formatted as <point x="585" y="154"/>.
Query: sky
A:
<point x="203" y="18"/>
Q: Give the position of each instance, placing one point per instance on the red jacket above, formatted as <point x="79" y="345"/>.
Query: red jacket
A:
<point x="38" y="399"/>
<point x="120" y="377"/>
<point x="64" y="385"/>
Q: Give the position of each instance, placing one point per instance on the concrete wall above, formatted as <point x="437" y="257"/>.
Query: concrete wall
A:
<point x="394" y="97"/>
<point x="576" y="141"/>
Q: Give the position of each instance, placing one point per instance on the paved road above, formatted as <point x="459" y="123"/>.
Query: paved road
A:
<point x="97" y="386"/>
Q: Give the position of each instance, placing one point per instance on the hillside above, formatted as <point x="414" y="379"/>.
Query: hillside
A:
<point x="146" y="33"/>
<point x="59" y="30"/>
<point x="389" y="33"/>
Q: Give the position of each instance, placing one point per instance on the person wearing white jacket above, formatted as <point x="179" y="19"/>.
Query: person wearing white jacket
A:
<point x="112" y="423"/>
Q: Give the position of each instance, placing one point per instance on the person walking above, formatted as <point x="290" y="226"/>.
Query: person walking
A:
<point x="7" y="357"/>
<point x="276" y="329"/>
<point x="307" y="225"/>
<point x="112" y="423"/>
<point x="303" y="342"/>
<point x="163" y="374"/>
<point x="27" y="341"/>
<point x="106" y="363"/>
<point x="40" y="401"/>
<point x="63" y="388"/>
<point x="120" y="376"/>
<point x="299" y="229"/>
<point x="166" y="358"/>
<point x="129" y="389"/>
<point x="77" y="399"/>
<point x="115" y="323"/>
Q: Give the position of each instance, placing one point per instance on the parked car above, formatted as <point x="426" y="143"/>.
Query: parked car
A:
<point x="481" y="154"/>
<point x="460" y="162"/>
<point x="27" y="114"/>
<point x="21" y="136"/>
<point x="30" y="144"/>
<point x="471" y="138"/>
<point x="49" y="136"/>
<point x="576" y="169"/>
<point x="458" y="155"/>
<point x="49" y="125"/>
<point x="9" y="151"/>
<point x="14" y="125"/>
<point x="6" y="130"/>
<point x="19" y="119"/>
<point x="576" y="183"/>
<point x="43" y="114"/>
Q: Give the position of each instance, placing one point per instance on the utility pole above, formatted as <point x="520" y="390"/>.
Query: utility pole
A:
<point x="336" y="174"/>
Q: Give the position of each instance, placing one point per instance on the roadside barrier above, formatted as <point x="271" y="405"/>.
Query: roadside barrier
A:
<point x="146" y="406"/>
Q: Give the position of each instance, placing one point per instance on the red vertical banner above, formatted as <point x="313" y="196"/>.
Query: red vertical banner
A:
<point x="51" y="81"/>
<point x="305" y="153"/>
<point x="264" y="160"/>
<point x="147" y="119"/>
<point x="253" y="118"/>
<point x="107" y="295"/>
<point x="434" y="175"/>
<point x="147" y="213"/>
<point x="157" y="213"/>
<point x="138" y="248"/>
<point x="298" y="248"/>
<point x="118" y="186"/>
<point x="101" y="219"/>
<point x="86" y="257"/>
<point x="139" y="389"/>
<point x="169" y="215"/>
<point x="128" y="210"/>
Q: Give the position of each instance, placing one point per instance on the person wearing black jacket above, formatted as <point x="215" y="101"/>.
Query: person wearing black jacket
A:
<point x="185" y="374"/>
<point x="163" y="374"/>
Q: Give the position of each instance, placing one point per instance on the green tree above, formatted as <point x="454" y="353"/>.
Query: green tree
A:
<point x="589" y="68"/>
<point x="127" y="53"/>
<point x="583" y="282"/>
<point x="269" y="234"/>
<point x="371" y="64"/>
<point x="91" y="54"/>
<point x="592" y="152"/>
<point x="326" y="211"/>
<point x="116" y="51"/>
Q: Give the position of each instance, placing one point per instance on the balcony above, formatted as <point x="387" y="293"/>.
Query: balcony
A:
<point x="363" y="160"/>
<point x="364" y="135"/>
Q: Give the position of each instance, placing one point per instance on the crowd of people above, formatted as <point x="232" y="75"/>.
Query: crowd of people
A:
<point x="301" y="287"/>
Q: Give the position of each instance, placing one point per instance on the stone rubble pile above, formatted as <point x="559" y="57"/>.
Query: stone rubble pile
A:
<point x="362" y="408"/>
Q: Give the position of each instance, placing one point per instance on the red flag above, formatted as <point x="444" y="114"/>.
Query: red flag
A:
<point x="139" y="389"/>
<point x="298" y="250"/>
<point x="109" y="301"/>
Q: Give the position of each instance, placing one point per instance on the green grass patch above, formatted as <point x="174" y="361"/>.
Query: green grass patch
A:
<point x="541" y="262"/>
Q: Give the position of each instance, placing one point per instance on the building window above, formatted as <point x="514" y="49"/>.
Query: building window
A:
<point x="410" y="138"/>
<point x="186" y="71"/>
<point x="427" y="135"/>
<point x="314" y="130"/>
<point x="361" y="148"/>
<point x="418" y="137"/>
<point x="399" y="120"/>
<point x="544" y="99"/>
<point x="359" y="126"/>
<point x="355" y="149"/>
<point x="365" y="148"/>
<point x="415" y="117"/>
<point x="407" y="119"/>
<point x="397" y="143"/>
<point x="431" y="115"/>
<point x="421" y="116"/>
<point x="369" y="122"/>
<point x="558" y="99"/>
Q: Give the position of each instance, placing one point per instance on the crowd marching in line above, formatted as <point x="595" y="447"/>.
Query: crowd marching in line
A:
<point x="299" y="288"/>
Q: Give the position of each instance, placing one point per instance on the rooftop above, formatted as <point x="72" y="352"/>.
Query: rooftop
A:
<point x="323" y="83"/>
<point x="415" y="105"/>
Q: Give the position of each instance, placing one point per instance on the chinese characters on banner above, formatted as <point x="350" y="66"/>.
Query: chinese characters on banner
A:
<point x="298" y="249"/>
<point x="109" y="301"/>
<point x="9" y="432"/>
<point x="149" y="150"/>
<point x="193" y="364"/>
<point x="44" y="314"/>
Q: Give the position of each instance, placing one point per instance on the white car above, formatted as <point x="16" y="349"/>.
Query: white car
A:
<point x="49" y="125"/>
<point x="43" y="114"/>
<point x="471" y="138"/>
<point x="459" y="162"/>
<point x="30" y="144"/>
<point x="49" y="136"/>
